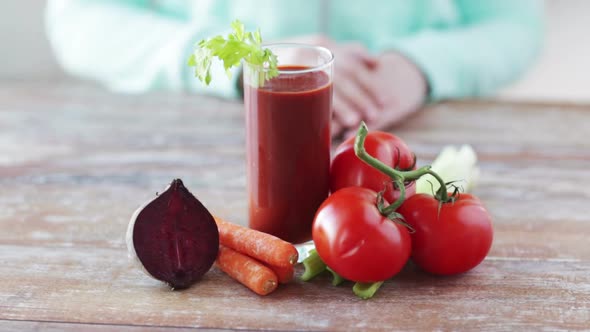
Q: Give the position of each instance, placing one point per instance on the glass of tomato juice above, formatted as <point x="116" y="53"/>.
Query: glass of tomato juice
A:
<point x="288" y="140"/>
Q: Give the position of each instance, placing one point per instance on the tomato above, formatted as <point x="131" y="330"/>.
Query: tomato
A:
<point x="355" y="240"/>
<point x="347" y="170"/>
<point x="451" y="240"/>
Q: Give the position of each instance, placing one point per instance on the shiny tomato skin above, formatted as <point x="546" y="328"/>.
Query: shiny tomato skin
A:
<point x="347" y="170"/>
<point x="355" y="240"/>
<point x="452" y="242"/>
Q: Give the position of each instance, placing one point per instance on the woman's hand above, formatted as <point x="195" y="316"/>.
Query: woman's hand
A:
<point x="382" y="91"/>
<point x="400" y="85"/>
<point x="355" y="97"/>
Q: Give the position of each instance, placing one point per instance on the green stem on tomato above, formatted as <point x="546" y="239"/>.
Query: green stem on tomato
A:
<point x="366" y="290"/>
<point x="400" y="200"/>
<point x="442" y="194"/>
<point x="395" y="175"/>
<point x="313" y="266"/>
<point x="361" y="153"/>
<point x="415" y="174"/>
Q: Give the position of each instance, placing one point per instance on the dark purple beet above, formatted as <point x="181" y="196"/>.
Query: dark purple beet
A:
<point x="174" y="237"/>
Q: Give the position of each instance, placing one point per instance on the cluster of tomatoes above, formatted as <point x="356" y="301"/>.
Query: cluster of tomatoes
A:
<point x="356" y="240"/>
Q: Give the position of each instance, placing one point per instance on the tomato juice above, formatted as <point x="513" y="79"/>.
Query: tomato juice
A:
<point x="288" y="150"/>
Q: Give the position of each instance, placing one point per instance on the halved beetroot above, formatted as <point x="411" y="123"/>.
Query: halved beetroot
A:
<point x="174" y="237"/>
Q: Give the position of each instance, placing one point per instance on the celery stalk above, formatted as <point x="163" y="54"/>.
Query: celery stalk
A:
<point x="366" y="290"/>
<point x="452" y="164"/>
<point x="313" y="266"/>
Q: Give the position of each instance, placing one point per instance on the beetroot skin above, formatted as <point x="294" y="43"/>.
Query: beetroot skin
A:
<point x="174" y="237"/>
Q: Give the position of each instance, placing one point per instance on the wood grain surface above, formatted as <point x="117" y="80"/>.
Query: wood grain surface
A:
<point x="75" y="162"/>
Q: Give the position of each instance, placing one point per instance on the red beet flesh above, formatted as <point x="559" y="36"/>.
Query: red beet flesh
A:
<point x="175" y="237"/>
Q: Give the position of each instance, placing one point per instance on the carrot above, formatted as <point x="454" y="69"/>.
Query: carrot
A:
<point x="248" y="271"/>
<point x="284" y="274"/>
<point x="261" y="246"/>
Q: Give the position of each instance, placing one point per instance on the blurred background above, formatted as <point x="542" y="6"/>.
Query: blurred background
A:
<point x="561" y="74"/>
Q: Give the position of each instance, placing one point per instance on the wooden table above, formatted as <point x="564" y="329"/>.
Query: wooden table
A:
<point x="75" y="162"/>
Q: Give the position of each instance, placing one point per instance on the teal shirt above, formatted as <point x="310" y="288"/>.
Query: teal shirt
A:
<point x="464" y="47"/>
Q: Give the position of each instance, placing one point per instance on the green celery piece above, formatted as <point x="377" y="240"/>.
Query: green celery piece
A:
<point x="452" y="164"/>
<point x="313" y="266"/>
<point x="231" y="50"/>
<point x="366" y="290"/>
<point x="336" y="278"/>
